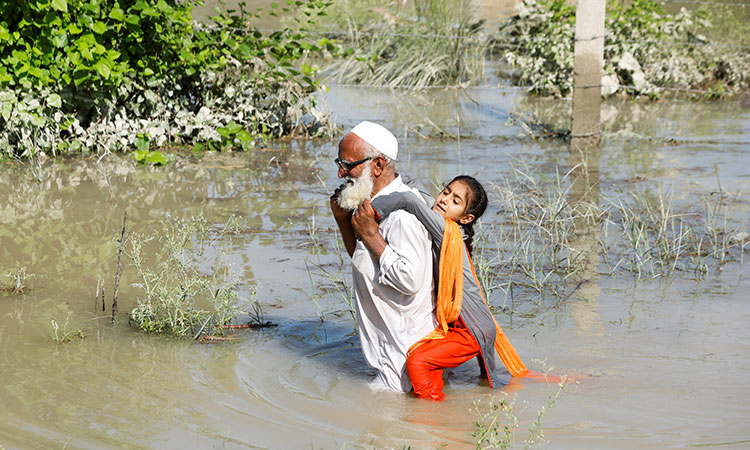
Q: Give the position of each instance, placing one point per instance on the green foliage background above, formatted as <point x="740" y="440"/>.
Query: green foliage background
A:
<point x="68" y="68"/>
<point x="673" y="50"/>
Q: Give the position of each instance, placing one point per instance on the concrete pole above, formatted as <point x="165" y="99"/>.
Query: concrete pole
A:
<point x="584" y="157"/>
<point x="587" y="74"/>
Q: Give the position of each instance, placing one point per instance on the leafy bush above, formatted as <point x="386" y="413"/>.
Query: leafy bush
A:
<point x="645" y="49"/>
<point x="93" y="75"/>
<point x="541" y="45"/>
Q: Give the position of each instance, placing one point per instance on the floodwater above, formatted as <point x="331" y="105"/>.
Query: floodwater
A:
<point x="667" y="361"/>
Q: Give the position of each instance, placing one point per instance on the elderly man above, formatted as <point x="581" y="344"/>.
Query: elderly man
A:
<point x="391" y="262"/>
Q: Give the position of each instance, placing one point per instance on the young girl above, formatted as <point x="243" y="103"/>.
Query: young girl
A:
<point x="466" y="327"/>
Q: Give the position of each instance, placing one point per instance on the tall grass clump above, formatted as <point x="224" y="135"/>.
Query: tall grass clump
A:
<point x="657" y="240"/>
<point x="100" y="76"/>
<point x="179" y="298"/>
<point x="645" y="49"/>
<point x="533" y="246"/>
<point x="432" y="42"/>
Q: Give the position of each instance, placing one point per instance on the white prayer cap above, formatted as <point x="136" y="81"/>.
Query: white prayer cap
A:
<point x="379" y="137"/>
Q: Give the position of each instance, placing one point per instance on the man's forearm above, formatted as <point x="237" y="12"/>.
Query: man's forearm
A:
<point x="375" y="243"/>
<point x="347" y="234"/>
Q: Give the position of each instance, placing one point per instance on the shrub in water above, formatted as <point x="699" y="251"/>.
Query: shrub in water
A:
<point x="644" y="49"/>
<point x="179" y="299"/>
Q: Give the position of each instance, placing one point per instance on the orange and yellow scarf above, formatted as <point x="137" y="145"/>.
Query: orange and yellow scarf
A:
<point x="450" y="296"/>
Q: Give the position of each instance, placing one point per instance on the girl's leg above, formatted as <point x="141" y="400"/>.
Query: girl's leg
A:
<point x="425" y="363"/>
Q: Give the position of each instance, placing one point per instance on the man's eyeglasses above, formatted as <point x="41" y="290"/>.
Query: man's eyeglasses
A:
<point x="347" y="166"/>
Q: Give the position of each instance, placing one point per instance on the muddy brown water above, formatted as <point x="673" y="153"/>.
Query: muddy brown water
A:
<point x="668" y="360"/>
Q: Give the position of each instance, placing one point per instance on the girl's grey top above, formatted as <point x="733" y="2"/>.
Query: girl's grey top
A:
<point x="474" y="312"/>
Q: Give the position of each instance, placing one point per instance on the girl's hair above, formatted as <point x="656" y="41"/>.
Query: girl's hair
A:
<point x="476" y="205"/>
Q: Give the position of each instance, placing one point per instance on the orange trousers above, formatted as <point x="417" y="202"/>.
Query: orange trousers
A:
<point x="425" y="364"/>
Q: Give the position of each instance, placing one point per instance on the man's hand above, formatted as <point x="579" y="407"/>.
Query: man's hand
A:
<point x="339" y="213"/>
<point x="344" y="221"/>
<point x="366" y="227"/>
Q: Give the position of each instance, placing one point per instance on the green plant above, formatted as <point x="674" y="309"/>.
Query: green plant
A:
<point x="63" y="335"/>
<point x="539" y="41"/>
<point x="338" y="283"/>
<point x="18" y="282"/>
<point x="498" y="423"/>
<point x="536" y="248"/>
<point x="155" y="158"/>
<point x="659" y="241"/>
<point x="179" y="299"/>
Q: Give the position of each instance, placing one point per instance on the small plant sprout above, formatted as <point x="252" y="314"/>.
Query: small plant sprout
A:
<point x="18" y="281"/>
<point x="61" y="335"/>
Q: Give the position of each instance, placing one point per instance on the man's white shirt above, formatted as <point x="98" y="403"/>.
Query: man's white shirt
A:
<point x="393" y="295"/>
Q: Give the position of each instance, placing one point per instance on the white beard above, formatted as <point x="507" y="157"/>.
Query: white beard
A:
<point x="357" y="192"/>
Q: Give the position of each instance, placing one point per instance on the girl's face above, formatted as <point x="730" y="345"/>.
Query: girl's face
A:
<point x="453" y="202"/>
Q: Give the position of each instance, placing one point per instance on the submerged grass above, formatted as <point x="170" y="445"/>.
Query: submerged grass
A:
<point x="533" y="246"/>
<point x="548" y="238"/>
<point x="660" y="241"/>
<point x="179" y="298"/>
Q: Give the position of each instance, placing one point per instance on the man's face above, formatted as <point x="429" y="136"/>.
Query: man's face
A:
<point x="352" y="158"/>
<point x="354" y="166"/>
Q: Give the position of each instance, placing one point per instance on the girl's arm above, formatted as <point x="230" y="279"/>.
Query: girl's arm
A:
<point x="409" y="202"/>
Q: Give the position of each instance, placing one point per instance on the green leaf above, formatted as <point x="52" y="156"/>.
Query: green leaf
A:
<point x="37" y="72"/>
<point x="141" y="143"/>
<point x="54" y="101"/>
<point x="117" y="14"/>
<point x="163" y="6"/>
<point x="103" y="68"/>
<point x="81" y="74"/>
<point x="60" y="5"/>
<point x="156" y="158"/>
<point x="140" y="156"/>
<point x="73" y="29"/>
<point x="99" y="27"/>
<point x="307" y="70"/>
<point x="245" y="137"/>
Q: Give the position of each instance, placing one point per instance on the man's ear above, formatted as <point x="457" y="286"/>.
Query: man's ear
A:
<point x="378" y="165"/>
<point x="466" y="219"/>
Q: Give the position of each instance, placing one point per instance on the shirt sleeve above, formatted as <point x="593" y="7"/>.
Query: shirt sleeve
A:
<point x="403" y="263"/>
<point x="433" y="222"/>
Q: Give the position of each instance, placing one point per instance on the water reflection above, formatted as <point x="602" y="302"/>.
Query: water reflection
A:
<point x="584" y="241"/>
